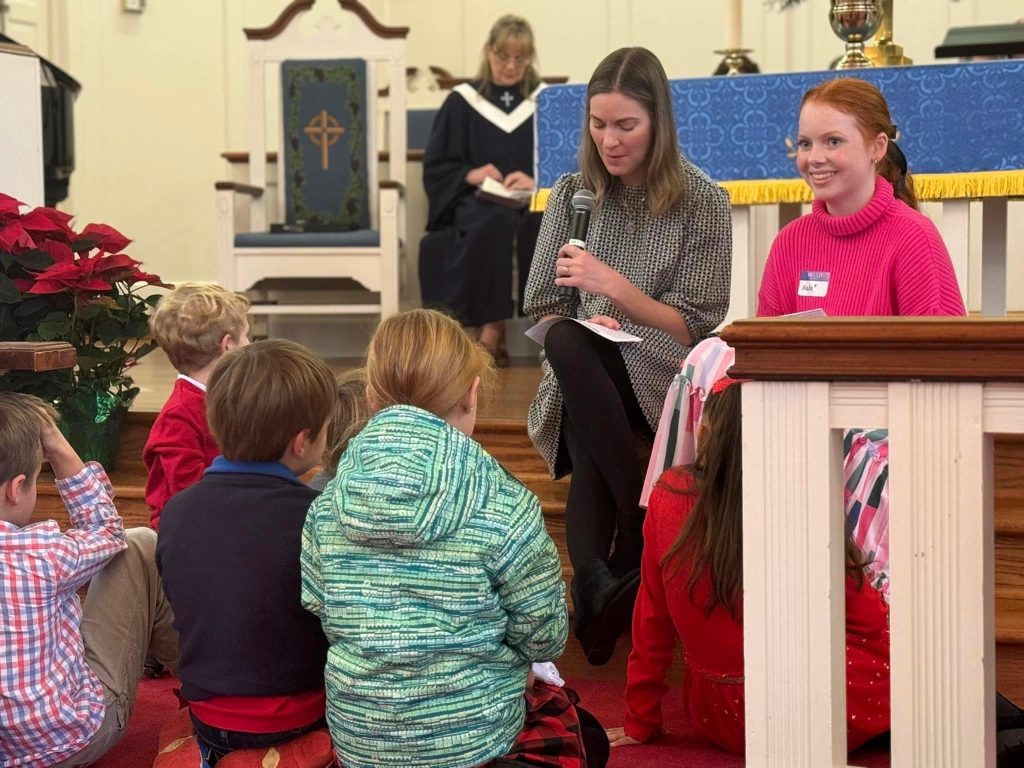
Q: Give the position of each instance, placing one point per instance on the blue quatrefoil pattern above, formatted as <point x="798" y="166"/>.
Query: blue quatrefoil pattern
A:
<point x="951" y="117"/>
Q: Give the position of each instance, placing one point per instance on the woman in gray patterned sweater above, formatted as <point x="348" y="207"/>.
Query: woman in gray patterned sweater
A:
<point x="657" y="265"/>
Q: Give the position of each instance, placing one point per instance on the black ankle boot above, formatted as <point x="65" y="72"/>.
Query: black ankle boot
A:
<point x="602" y="608"/>
<point x="1010" y="748"/>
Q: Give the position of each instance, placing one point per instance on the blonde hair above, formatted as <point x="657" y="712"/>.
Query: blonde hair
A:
<point x="425" y="359"/>
<point x="350" y="416"/>
<point x="509" y="28"/>
<point x="22" y="419"/>
<point x="190" y="321"/>
<point x="637" y="73"/>
<point x="261" y="396"/>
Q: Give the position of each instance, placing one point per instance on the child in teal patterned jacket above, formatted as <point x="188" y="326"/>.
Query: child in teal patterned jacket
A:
<point x="429" y="566"/>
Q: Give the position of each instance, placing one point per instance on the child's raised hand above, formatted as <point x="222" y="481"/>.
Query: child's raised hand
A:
<point x="617" y="737"/>
<point x="57" y="450"/>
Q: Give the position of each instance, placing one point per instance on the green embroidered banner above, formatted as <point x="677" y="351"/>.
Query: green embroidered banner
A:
<point x="325" y="163"/>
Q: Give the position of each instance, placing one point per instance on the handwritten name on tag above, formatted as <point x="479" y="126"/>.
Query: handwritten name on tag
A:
<point x="813" y="284"/>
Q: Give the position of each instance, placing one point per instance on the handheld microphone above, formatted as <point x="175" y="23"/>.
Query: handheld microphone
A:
<point x="583" y="203"/>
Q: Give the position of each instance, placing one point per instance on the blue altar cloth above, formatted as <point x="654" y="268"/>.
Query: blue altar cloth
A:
<point x="952" y="118"/>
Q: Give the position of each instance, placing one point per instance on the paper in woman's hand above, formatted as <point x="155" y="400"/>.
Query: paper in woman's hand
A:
<point x="540" y="330"/>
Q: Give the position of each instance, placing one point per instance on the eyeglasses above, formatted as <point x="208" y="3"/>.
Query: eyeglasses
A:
<point x="504" y="58"/>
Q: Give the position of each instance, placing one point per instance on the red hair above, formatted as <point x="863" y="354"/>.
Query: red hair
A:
<point x="866" y="104"/>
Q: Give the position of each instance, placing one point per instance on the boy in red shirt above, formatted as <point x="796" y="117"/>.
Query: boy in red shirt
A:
<point x="194" y="324"/>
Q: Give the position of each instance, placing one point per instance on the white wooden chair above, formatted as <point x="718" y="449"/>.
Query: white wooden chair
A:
<point x="362" y="241"/>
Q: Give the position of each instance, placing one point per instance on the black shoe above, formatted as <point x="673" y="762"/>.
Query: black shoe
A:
<point x="1010" y="748"/>
<point x="1008" y="714"/>
<point x="602" y="608"/>
<point x="152" y="668"/>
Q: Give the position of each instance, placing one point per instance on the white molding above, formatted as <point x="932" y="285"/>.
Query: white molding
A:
<point x="941" y="550"/>
<point x="743" y="277"/>
<point x="858" y="404"/>
<point x="1003" y="409"/>
<point x="793" y="612"/>
<point x="956" y="233"/>
<point x="941" y="553"/>
<point x="994" y="274"/>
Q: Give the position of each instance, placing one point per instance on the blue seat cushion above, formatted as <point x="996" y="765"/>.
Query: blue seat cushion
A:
<point x="419" y="123"/>
<point x="356" y="238"/>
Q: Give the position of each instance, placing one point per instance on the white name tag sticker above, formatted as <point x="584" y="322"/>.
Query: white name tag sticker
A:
<point x="813" y="284"/>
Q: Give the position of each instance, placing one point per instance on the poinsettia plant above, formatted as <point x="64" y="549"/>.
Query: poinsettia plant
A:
<point x="57" y="284"/>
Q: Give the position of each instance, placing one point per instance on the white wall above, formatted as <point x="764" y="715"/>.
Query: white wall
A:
<point x="164" y="92"/>
<point x="149" y="127"/>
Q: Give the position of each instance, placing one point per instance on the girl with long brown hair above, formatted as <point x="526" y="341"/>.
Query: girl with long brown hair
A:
<point x="692" y="592"/>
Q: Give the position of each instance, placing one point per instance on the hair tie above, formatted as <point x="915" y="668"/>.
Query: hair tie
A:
<point x="724" y="383"/>
<point x="897" y="158"/>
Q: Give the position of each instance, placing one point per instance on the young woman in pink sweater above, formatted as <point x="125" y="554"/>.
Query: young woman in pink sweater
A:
<point x="864" y="249"/>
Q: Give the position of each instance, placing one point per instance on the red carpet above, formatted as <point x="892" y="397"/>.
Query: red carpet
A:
<point x="681" y="746"/>
<point x="156" y="702"/>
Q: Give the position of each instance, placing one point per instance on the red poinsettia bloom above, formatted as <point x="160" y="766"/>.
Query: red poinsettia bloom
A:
<point x="47" y="224"/>
<point x="56" y="250"/>
<point x="9" y="208"/>
<point x="77" y="275"/>
<point x="145" y="277"/>
<point x="100" y="236"/>
<point x="59" y="285"/>
<point x="14" y="238"/>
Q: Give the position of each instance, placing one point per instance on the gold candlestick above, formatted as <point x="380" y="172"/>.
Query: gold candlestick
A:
<point x="736" y="62"/>
<point x="886" y="53"/>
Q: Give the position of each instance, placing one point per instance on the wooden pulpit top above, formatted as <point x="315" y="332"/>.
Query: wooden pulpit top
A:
<point x="36" y="355"/>
<point x="878" y="349"/>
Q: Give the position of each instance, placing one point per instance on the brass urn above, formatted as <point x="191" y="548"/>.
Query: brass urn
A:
<point x="855" y="21"/>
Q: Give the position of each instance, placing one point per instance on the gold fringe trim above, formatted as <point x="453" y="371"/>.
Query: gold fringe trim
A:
<point x="929" y="187"/>
<point x="953" y="186"/>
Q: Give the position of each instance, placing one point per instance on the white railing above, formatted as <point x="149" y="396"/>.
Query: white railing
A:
<point x="942" y="388"/>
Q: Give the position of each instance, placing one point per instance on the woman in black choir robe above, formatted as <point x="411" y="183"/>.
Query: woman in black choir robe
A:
<point x="483" y="129"/>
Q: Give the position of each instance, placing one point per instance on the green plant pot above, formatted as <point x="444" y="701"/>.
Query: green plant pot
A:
<point x="91" y="421"/>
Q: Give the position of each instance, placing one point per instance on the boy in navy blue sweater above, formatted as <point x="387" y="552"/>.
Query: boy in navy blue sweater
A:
<point x="252" y="658"/>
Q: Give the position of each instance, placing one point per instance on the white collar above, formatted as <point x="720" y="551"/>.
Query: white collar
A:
<point x="506" y="121"/>
<point x="193" y="382"/>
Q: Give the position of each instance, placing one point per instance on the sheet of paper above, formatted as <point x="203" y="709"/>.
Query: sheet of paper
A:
<point x="816" y="312"/>
<point x="540" y="330"/>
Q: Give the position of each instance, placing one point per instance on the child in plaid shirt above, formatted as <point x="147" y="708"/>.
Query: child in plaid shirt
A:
<point x="68" y="674"/>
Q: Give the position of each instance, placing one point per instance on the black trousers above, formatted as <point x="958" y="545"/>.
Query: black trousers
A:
<point x="601" y="425"/>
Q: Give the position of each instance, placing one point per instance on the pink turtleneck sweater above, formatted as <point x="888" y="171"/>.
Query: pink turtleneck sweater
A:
<point x="885" y="259"/>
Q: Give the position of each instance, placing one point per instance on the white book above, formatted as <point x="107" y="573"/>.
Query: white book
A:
<point x="496" y="192"/>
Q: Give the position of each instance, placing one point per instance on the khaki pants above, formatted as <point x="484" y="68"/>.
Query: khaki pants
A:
<point x="125" y="618"/>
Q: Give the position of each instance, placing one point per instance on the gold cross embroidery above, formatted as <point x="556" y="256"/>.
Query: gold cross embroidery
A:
<point x="324" y="130"/>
